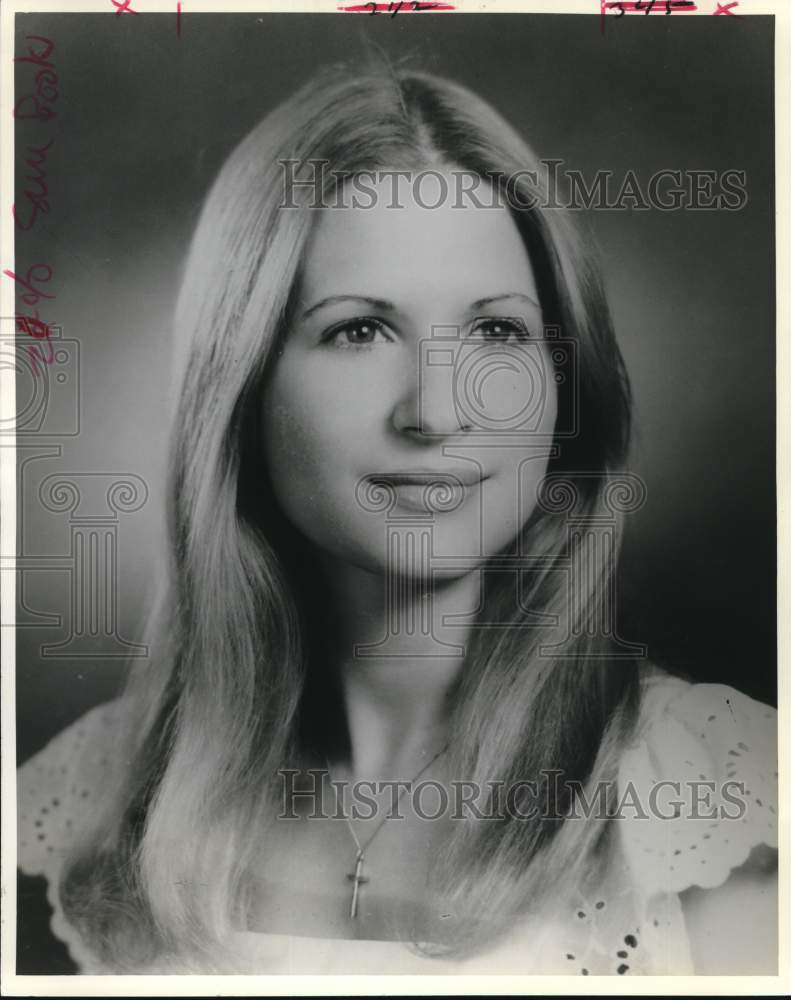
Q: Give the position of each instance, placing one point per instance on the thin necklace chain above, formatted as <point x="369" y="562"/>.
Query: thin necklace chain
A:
<point x="361" y="848"/>
<point x="357" y="876"/>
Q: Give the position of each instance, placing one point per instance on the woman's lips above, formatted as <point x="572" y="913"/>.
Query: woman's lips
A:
<point x="430" y="492"/>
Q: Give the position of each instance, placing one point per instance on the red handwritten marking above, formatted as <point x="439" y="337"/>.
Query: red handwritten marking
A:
<point x="726" y="9"/>
<point x="651" y="6"/>
<point x="38" y="58"/>
<point x="33" y="295"/>
<point x="404" y="7"/>
<point x="122" y="7"/>
<point x="645" y="7"/>
<point x="178" y="20"/>
<point x="35" y="355"/>
<point x="33" y="325"/>
<point x="36" y="106"/>
<point x="37" y="196"/>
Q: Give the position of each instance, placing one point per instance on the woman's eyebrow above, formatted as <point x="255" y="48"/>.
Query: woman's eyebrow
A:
<point x="384" y="305"/>
<point x="331" y="300"/>
<point x="481" y="303"/>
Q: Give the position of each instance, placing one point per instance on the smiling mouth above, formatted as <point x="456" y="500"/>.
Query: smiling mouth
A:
<point x="429" y="492"/>
<point x="456" y="477"/>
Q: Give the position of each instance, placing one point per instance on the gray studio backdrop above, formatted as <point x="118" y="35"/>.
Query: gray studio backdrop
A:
<point x="145" y="116"/>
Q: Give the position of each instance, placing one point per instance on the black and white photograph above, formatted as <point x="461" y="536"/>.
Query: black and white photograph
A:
<point x="390" y="494"/>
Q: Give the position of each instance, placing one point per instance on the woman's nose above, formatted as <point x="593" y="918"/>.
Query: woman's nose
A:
<point x="427" y="406"/>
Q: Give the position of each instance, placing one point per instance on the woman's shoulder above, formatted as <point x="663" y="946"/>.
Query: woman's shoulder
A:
<point x="662" y="690"/>
<point x="698" y="822"/>
<point x="59" y="797"/>
<point x="698" y="783"/>
<point x="59" y="788"/>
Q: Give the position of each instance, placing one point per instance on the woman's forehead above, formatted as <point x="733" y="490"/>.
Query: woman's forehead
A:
<point x="387" y="248"/>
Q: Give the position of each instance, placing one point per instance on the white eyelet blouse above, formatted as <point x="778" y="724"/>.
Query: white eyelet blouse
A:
<point x="630" y="922"/>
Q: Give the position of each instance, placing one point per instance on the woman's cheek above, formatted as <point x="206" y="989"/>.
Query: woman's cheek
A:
<point x="303" y="452"/>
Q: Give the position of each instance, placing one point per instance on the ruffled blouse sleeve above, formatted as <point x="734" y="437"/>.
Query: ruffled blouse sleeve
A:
<point x="58" y="800"/>
<point x="698" y="787"/>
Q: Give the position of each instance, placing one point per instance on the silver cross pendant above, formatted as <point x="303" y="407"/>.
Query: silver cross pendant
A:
<point x="358" y="878"/>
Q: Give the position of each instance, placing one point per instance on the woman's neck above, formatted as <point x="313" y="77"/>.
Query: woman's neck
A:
<point x="398" y="660"/>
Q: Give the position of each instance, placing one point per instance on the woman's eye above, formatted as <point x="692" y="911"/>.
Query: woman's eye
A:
<point x="357" y="333"/>
<point x="500" y="330"/>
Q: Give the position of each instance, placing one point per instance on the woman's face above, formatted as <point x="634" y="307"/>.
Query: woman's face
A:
<point x="414" y="357"/>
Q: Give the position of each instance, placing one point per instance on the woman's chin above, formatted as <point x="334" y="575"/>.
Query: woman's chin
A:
<point x="406" y="564"/>
<point x="443" y="547"/>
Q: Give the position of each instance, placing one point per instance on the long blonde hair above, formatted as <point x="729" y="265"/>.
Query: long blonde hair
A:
<point x="212" y="721"/>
